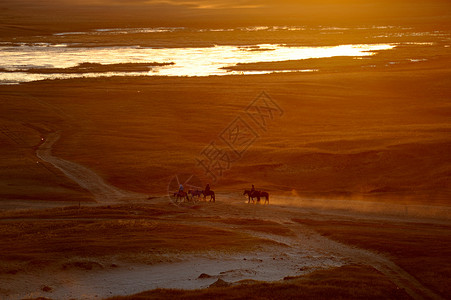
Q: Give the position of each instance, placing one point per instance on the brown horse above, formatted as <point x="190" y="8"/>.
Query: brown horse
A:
<point x="194" y="193"/>
<point x="256" y="194"/>
<point x="252" y="194"/>
<point x="209" y="193"/>
<point x="181" y="195"/>
<point x="266" y="195"/>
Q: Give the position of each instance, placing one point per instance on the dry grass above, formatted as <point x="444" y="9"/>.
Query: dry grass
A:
<point x="350" y="130"/>
<point x="95" y="238"/>
<point x="356" y="129"/>
<point x="133" y="233"/>
<point x="329" y="142"/>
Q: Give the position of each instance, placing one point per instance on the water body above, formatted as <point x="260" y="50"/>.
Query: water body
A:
<point x="24" y="62"/>
<point x="115" y="31"/>
<point x="19" y="61"/>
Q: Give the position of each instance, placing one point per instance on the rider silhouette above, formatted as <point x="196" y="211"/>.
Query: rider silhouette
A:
<point x="207" y="188"/>
<point x="252" y="189"/>
<point x="180" y="188"/>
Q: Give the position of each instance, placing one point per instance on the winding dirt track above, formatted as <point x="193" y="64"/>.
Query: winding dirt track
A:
<point x="395" y="273"/>
<point x="310" y="239"/>
<point x="106" y="194"/>
<point x="103" y="192"/>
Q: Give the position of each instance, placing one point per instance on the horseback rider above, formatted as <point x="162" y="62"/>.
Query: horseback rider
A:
<point x="181" y="188"/>
<point x="207" y="189"/>
<point x="252" y="189"/>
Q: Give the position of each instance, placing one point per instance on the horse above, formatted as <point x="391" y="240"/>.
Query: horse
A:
<point x="256" y="194"/>
<point x="266" y="195"/>
<point x="181" y="195"/>
<point x="252" y="194"/>
<point x="209" y="193"/>
<point x="195" y="193"/>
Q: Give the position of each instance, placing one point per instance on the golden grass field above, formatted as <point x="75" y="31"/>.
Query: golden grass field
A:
<point x="358" y="165"/>
<point x="388" y="126"/>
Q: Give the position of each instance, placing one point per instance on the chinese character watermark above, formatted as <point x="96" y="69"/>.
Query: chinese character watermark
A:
<point x="189" y="183"/>
<point x="238" y="136"/>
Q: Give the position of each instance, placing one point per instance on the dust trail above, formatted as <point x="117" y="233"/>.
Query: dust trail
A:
<point x="436" y="213"/>
<point x="86" y="178"/>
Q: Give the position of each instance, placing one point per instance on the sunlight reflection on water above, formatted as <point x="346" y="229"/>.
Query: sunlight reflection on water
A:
<point x="18" y="59"/>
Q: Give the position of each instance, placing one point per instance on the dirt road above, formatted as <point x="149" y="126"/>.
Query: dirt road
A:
<point x="104" y="193"/>
<point x="305" y="239"/>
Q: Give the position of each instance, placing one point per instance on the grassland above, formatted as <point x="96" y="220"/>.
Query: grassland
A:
<point x="111" y="238"/>
<point x="356" y="132"/>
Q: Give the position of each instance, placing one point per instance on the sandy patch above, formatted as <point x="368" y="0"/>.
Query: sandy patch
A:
<point x="125" y="279"/>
